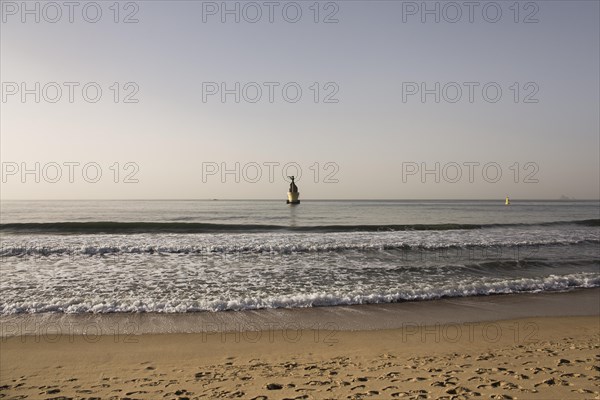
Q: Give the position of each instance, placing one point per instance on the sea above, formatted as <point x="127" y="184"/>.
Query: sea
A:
<point x="170" y="256"/>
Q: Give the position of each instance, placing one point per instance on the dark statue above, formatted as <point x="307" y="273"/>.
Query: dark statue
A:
<point x="293" y="187"/>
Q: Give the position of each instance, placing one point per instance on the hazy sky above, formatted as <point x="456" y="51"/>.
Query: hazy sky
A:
<point x="370" y="129"/>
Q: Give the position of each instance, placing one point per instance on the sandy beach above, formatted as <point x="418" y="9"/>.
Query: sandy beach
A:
<point x="538" y="357"/>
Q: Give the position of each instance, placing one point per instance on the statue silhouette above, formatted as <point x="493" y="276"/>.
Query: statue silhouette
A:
<point x="293" y="187"/>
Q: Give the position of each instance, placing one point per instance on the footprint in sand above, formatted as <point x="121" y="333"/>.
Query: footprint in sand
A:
<point x="587" y="391"/>
<point x="274" y="386"/>
<point x="417" y="379"/>
<point x="153" y="383"/>
<point x="461" y="390"/>
<point x="136" y="392"/>
<point x="573" y="375"/>
<point x="554" y="381"/>
<point x="366" y="394"/>
<point x="416" y="395"/>
<point x="318" y="383"/>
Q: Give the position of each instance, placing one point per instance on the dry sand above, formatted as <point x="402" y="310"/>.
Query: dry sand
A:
<point x="526" y="358"/>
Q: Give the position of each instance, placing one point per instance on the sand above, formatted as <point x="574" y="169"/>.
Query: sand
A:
<point x="551" y="357"/>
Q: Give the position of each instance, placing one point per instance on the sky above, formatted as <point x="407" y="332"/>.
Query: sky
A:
<point x="358" y="99"/>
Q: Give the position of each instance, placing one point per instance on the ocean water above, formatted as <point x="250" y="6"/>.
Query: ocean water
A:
<point x="188" y="256"/>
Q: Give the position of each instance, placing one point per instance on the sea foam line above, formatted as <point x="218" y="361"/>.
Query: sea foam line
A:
<point x="552" y="283"/>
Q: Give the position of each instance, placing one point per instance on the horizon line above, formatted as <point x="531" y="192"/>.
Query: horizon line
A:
<point x="314" y="199"/>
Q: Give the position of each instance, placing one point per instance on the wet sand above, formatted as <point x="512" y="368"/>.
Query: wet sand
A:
<point x="466" y="354"/>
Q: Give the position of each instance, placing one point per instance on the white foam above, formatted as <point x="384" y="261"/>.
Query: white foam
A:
<point x="169" y="304"/>
<point x="18" y="245"/>
<point x="193" y="272"/>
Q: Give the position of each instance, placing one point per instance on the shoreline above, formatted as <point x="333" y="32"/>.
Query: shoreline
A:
<point x="457" y="310"/>
<point x="499" y="347"/>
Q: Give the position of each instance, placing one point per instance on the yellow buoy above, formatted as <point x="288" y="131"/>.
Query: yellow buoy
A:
<point x="507" y="202"/>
